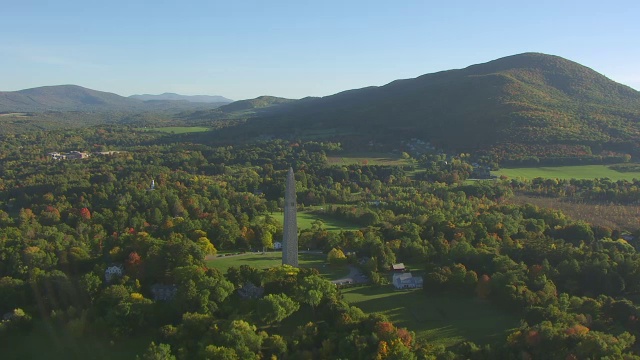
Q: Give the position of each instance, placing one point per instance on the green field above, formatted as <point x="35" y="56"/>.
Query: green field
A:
<point x="568" y="172"/>
<point x="271" y="259"/>
<point x="179" y="129"/>
<point x="367" y="158"/>
<point x="306" y="219"/>
<point x="445" y="319"/>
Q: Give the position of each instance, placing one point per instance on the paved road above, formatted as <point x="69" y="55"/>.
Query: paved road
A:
<point x="215" y="257"/>
<point x="355" y="276"/>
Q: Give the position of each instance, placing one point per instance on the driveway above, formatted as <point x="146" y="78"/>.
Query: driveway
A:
<point x="355" y="276"/>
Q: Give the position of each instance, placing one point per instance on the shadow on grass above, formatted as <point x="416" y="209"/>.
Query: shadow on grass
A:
<point x="439" y="318"/>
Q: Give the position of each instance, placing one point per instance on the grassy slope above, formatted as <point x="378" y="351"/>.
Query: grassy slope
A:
<point x="444" y="319"/>
<point x="271" y="259"/>
<point x="568" y="172"/>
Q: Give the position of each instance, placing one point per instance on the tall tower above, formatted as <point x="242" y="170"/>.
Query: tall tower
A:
<point x="290" y="241"/>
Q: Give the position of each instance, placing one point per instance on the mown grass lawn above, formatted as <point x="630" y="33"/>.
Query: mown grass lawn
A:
<point x="568" y="172"/>
<point x="445" y="319"/>
<point x="306" y="219"/>
<point x="271" y="259"/>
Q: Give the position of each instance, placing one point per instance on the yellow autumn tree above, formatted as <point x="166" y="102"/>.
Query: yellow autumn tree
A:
<point x="336" y="256"/>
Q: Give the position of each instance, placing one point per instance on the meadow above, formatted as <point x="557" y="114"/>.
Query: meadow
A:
<point x="444" y="319"/>
<point x="271" y="259"/>
<point x="179" y="129"/>
<point x="367" y="158"/>
<point x="568" y="172"/>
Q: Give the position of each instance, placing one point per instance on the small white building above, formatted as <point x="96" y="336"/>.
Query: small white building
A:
<point x="277" y="245"/>
<point x="113" y="272"/>
<point x="399" y="267"/>
<point x="407" y="281"/>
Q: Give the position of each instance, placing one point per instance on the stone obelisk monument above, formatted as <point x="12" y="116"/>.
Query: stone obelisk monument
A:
<point x="290" y="241"/>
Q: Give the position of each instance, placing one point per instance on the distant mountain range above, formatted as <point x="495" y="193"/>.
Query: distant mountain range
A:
<point x="189" y="98"/>
<point x="532" y="102"/>
<point x="77" y="98"/>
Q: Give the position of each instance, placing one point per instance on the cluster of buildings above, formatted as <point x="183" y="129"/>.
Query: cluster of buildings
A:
<point x="418" y="147"/>
<point x="160" y="292"/>
<point x="403" y="279"/>
<point x="78" y="154"/>
<point x="69" y="156"/>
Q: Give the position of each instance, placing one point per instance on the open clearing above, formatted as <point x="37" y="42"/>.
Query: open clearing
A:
<point x="444" y="319"/>
<point x="306" y="219"/>
<point x="568" y="172"/>
<point x="179" y="129"/>
<point x="271" y="259"/>
<point x="366" y="159"/>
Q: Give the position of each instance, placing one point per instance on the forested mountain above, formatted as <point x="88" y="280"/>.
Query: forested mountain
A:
<point x="242" y="109"/>
<point x="189" y="98"/>
<point x="529" y="99"/>
<point x="257" y="103"/>
<point x="77" y="98"/>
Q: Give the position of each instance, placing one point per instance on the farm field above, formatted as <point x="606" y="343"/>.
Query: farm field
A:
<point x="615" y="216"/>
<point x="366" y="159"/>
<point x="445" y="319"/>
<point x="568" y="172"/>
<point x="306" y="219"/>
<point x="179" y="129"/>
<point x="271" y="259"/>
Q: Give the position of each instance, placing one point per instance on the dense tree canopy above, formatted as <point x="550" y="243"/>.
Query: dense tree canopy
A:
<point x="65" y="225"/>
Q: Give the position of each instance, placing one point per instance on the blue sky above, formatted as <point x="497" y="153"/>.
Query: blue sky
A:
<point x="243" y="49"/>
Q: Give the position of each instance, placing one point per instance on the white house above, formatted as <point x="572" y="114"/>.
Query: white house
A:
<point x="277" y="245"/>
<point x="406" y="281"/>
<point x="112" y="272"/>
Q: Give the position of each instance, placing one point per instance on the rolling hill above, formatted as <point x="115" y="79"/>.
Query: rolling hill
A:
<point x="241" y="109"/>
<point x="77" y="98"/>
<point x="534" y="103"/>
<point x="178" y="97"/>
<point x="260" y="102"/>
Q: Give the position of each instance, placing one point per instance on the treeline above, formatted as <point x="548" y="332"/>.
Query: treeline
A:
<point x="522" y="154"/>
<point x="590" y="190"/>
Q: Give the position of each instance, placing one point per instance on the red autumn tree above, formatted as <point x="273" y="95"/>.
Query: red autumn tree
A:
<point x="133" y="264"/>
<point x="85" y="214"/>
